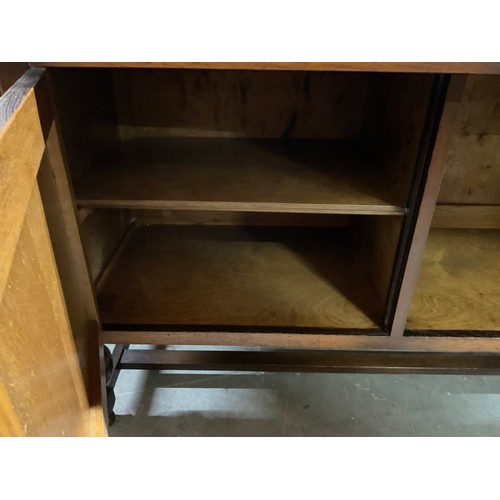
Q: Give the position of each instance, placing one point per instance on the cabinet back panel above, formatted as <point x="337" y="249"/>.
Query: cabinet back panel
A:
<point x="473" y="163"/>
<point x="215" y="103"/>
<point x="219" y="218"/>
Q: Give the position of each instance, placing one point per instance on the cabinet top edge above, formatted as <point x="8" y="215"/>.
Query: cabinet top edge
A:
<point x="402" y="67"/>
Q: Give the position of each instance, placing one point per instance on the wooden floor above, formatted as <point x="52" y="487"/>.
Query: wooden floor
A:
<point x="458" y="287"/>
<point x="308" y="176"/>
<point x="239" y="277"/>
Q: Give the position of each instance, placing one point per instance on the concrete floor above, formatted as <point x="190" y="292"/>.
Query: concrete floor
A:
<point x="293" y="404"/>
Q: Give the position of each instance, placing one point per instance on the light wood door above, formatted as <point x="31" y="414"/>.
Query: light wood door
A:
<point x="42" y="389"/>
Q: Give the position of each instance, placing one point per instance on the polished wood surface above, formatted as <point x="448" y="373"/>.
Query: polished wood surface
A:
<point x="418" y="67"/>
<point x="233" y="174"/>
<point x="458" y="286"/>
<point x="239" y="277"/>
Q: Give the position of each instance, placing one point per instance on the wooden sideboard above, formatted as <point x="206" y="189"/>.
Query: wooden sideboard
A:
<point x="326" y="216"/>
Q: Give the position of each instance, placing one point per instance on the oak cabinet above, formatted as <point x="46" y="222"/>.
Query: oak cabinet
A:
<point x="276" y="206"/>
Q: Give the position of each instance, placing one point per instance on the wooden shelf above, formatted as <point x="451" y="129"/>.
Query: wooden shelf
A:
<point x="299" y="176"/>
<point x="239" y="277"/>
<point x="458" y="287"/>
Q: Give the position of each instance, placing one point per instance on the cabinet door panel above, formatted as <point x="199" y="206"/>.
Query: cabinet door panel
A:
<point x="21" y="149"/>
<point x="42" y="392"/>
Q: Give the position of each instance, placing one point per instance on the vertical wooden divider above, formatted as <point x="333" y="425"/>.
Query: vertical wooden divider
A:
<point x="429" y="198"/>
<point x="48" y="326"/>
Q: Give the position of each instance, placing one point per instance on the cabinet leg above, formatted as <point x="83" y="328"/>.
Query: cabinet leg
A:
<point x="112" y="363"/>
<point x="111" y="404"/>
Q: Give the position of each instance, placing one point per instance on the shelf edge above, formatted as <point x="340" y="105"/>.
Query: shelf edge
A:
<point x="223" y="206"/>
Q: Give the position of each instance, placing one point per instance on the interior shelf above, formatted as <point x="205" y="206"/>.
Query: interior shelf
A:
<point x="458" y="286"/>
<point x="239" y="278"/>
<point x="297" y="176"/>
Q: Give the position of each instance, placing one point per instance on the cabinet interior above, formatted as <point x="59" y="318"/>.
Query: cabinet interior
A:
<point x="234" y="200"/>
<point x="457" y="291"/>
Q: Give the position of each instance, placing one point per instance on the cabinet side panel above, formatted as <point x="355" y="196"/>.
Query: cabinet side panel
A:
<point x="102" y="233"/>
<point x="378" y="239"/>
<point x="430" y="193"/>
<point x="75" y="280"/>
<point x="393" y="125"/>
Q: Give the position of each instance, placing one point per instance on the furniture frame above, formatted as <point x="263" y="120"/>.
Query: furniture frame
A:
<point x="326" y="217"/>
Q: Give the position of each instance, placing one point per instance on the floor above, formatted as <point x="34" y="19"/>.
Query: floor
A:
<point x="294" y="404"/>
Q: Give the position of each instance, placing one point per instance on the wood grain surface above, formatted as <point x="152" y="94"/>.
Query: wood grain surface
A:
<point x="377" y="243"/>
<point x="21" y="149"/>
<point x="305" y="340"/>
<point x="238" y="277"/>
<point x="418" y="67"/>
<point x="458" y="286"/>
<point x="393" y="125"/>
<point x="467" y="216"/>
<point x="101" y="233"/>
<point x="10" y="426"/>
<point x="209" y="218"/>
<point x="234" y="174"/>
<point x="60" y="212"/>
<point x="38" y="361"/>
<point x="12" y="99"/>
<point x="473" y="162"/>
<point x="430" y="194"/>
<point x="257" y="104"/>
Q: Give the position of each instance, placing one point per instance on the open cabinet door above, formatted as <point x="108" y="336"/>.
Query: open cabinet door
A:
<point x="42" y="388"/>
